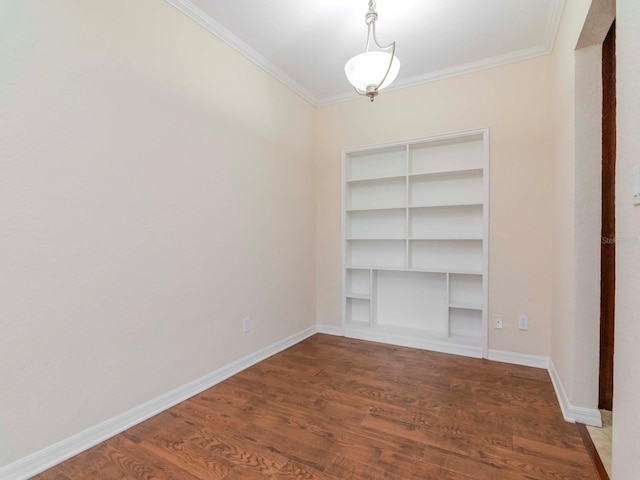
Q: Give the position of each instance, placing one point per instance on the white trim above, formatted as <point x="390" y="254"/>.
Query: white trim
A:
<point x="432" y="138"/>
<point x="571" y="413"/>
<point x="563" y="399"/>
<point x="408" y="341"/>
<point x="54" y="454"/>
<point x="212" y="26"/>
<point x="486" y="174"/>
<point x="519" y="359"/>
<point x="555" y="14"/>
<point x="557" y="8"/>
<point x="343" y="244"/>
<point x="40" y="461"/>
<point x="330" y="330"/>
<point x="445" y="73"/>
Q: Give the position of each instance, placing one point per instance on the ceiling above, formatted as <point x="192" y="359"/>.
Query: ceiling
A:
<point x="306" y="43"/>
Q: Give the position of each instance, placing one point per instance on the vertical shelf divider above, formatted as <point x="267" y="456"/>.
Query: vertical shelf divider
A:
<point x="485" y="247"/>
<point x="407" y="225"/>
<point x="448" y="303"/>
<point x="372" y="289"/>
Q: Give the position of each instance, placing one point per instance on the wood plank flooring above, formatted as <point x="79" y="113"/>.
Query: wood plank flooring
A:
<point x="335" y="408"/>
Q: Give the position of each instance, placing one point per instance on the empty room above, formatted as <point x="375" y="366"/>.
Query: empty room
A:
<point x="330" y="239"/>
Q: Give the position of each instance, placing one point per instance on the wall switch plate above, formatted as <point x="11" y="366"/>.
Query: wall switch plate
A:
<point x="636" y="184"/>
<point x="497" y="322"/>
<point x="523" y="322"/>
<point x="246" y="325"/>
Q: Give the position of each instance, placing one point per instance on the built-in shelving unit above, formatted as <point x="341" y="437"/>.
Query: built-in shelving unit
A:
<point x="415" y="242"/>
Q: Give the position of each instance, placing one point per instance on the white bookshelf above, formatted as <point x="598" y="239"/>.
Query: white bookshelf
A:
<point x="415" y="242"/>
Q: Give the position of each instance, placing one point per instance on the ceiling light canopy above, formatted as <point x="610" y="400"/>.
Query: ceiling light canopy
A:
<point x="372" y="71"/>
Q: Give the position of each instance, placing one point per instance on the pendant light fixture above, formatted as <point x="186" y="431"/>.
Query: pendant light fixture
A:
<point x="370" y="72"/>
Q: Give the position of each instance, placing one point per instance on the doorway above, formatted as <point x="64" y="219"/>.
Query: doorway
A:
<point x="608" y="244"/>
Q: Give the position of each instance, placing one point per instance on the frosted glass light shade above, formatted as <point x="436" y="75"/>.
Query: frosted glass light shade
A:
<point x="367" y="69"/>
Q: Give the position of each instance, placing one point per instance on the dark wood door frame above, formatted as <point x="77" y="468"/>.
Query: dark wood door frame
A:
<point x="608" y="247"/>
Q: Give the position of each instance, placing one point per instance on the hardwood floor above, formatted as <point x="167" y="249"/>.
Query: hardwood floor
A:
<point x="337" y="408"/>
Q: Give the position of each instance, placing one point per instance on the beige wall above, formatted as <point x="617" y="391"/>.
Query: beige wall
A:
<point x="626" y="420"/>
<point x="515" y="102"/>
<point x="155" y="187"/>
<point x="150" y="199"/>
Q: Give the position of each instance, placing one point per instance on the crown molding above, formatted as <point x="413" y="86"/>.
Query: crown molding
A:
<point x="555" y="15"/>
<point x="553" y="25"/>
<point x="212" y="26"/>
<point x="463" y="69"/>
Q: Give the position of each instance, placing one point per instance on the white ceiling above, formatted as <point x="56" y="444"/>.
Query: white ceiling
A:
<point x="306" y="43"/>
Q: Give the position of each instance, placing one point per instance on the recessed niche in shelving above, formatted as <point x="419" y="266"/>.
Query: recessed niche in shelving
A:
<point x="384" y="162"/>
<point x="465" y="290"/>
<point x="465" y="322"/>
<point x="377" y="224"/>
<point x="358" y="311"/>
<point x="359" y="283"/>
<point x="453" y="255"/>
<point x="381" y="193"/>
<point x="448" y="154"/>
<point x="446" y="222"/>
<point x="450" y="188"/>
<point x="376" y="253"/>
<point x="412" y="300"/>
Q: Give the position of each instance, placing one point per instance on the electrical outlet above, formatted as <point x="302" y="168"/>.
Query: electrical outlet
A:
<point x="497" y="322"/>
<point x="523" y="322"/>
<point x="246" y="325"/>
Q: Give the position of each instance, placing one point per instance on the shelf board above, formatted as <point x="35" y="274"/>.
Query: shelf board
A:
<point x="376" y="238"/>
<point x="446" y="270"/>
<point x="466" y="306"/>
<point x="360" y="296"/>
<point x="447" y="237"/>
<point x="431" y="205"/>
<point x="364" y="267"/>
<point x="373" y="209"/>
<point x="416" y="174"/>
<point x="446" y="172"/>
<point x="375" y="179"/>
<point x="419" y="270"/>
<point x="440" y="205"/>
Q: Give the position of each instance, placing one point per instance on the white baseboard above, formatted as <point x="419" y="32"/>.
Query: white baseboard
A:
<point x="519" y="359"/>
<point x="48" y="457"/>
<point x="330" y="330"/>
<point x="42" y="460"/>
<point x="413" y="342"/>
<point x="571" y="413"/>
